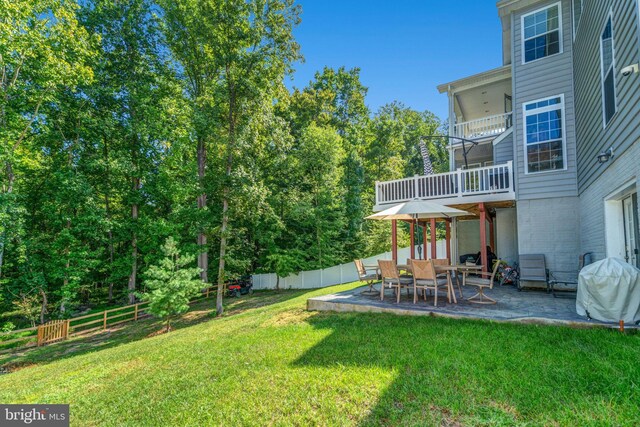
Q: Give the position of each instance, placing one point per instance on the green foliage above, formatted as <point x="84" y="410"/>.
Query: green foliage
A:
<point x="117" y="117"/>
<point x="171" y="284"/>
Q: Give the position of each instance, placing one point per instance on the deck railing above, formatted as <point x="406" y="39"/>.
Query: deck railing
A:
<point x="458" y="184"/>
<point x="484" y="127"/>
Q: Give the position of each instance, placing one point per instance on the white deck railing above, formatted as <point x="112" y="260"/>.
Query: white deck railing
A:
<point x="484" y="127"/>
<point x="461" y="184"/>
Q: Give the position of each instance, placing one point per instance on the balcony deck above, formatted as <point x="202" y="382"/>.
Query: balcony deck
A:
<point x="486" y="127"/>
<point x="487" y="184"/>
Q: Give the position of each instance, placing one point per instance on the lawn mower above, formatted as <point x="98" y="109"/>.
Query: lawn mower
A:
<point x="240" y="286"/>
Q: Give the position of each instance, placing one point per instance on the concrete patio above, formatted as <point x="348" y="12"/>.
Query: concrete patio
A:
<point x="535" y="306"/>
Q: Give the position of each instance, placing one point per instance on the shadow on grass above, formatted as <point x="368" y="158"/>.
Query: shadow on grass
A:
<point x="459" y="372"/>
<point x="199" y="312"/>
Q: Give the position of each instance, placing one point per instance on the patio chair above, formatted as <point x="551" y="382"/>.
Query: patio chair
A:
<point x="481" y="283"/>
<point x="532" y="268"/>
<point x="425" y="278"/>
<point x="391" y="277"/>
<point x="369" y="275"/>
<point x="571" y="284"/>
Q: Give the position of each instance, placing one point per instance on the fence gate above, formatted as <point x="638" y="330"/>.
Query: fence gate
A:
<point x="56" y="330"/>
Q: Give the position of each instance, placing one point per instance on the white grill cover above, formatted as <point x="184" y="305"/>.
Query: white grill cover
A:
<point x="609" y="290"/>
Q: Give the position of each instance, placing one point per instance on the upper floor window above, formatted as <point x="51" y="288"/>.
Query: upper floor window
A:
<point x="577" y="13"/>
<point x="608" y="72"/>
<point x="544" y="135"/>
<point x="541" y="32"/>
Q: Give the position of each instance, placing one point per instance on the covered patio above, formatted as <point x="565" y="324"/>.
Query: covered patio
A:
<point x="512" y="306"/>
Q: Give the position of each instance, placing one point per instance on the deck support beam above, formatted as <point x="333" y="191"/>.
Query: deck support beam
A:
<point x="448" y="237"/>
<point x="483" y="236"/>
<point x="424" y="240"/>
<point x="412" y="231"/>
<point x="394" y="240"/>
<point x="434" y="240"/>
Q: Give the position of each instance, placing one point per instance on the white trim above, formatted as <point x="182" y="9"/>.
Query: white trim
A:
<point x="613" y="69"/>
<point x="576" y="24"/>
<point x="560" y="32"/>
<point x="613" y="224"/>
<point x="553" y="107"/>
<point x="503" y="135"/>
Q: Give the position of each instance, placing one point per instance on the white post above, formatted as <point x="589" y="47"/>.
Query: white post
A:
<point x="415" y="186"/>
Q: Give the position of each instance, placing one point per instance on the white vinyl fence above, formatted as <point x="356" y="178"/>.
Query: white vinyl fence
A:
<point x="343" y="273"/>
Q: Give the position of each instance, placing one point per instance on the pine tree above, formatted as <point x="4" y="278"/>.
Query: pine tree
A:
<point x="171" y="284"/>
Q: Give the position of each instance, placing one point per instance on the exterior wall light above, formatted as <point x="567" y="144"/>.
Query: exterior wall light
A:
<point x="604" y="156"/>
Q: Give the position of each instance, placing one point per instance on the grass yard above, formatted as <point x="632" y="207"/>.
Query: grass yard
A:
<point x="270" y="362"/>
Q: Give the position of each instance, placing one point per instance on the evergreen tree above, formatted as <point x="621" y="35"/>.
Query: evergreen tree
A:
<point x="171" y="284"/>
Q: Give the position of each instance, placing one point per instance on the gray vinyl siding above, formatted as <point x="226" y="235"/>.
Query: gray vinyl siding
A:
<point x="539" y="79"/>
<point x="624" y="128"/>
<point x="503" y="151"/>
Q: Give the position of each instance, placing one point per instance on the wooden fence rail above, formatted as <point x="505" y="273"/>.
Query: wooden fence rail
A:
<point x="59" y="330"/>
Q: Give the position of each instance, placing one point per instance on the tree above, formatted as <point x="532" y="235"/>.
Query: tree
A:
<point x="43" y="51"/>
<point x="170" y="284"/>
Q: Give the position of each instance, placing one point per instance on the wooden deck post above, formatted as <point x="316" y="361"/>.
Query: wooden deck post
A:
<point x="448" y="238"/>
<point x="412" y="231"/>
<point x="483" y="236"/>
<point x="492" y="234"/>
<point x="434" y="239"/>
<point x="394" y="240"/>
<point x="424" y="240"/>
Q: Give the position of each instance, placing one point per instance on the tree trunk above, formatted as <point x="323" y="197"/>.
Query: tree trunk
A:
<point x="134" y="246"/>
<point x="43" y="309"/>
<point x="203" y="255"/>
<point x="107" y="207"/>
<point x="225" y="192"/>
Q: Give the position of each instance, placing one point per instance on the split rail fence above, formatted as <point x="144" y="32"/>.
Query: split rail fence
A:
<point x="59" y="330"/>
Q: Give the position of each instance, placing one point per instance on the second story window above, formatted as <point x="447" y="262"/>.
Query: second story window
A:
<point x="544" y="135"/>
<point x="541" y="31"/>
<point x="608" y="72"/>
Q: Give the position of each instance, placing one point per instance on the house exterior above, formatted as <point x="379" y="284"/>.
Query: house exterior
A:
<point x="545" y="149"/>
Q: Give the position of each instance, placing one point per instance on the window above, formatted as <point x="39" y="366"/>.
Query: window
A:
<point x="577" y="13"/>
<point x="541" y="32"/>
<point x="608" y="72"/>
<point x="544" y="135"/>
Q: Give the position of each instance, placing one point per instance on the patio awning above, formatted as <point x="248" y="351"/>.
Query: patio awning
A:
<point x="418" y="209"/>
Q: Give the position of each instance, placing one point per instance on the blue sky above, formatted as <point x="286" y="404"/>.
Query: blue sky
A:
<point x="405" y="48"/>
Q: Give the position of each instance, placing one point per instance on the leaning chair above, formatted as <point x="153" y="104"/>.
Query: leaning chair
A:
<point x="391" y="277"/>
<point x="570" y="284"/>
<point x="532" y="268"/>
<point x="367" y="274"/>
<point x="481" y="283"/>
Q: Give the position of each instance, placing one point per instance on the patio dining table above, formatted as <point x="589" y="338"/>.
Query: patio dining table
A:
<point x="448" y="269"/>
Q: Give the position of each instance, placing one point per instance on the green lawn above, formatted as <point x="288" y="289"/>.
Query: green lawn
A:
<point x="277" y="364"/>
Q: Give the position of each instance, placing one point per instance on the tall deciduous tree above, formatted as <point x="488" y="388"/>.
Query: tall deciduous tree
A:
<point x="43" y="52"/>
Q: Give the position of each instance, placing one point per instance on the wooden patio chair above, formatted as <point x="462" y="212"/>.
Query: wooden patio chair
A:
<point x="391" y="277"/>
<point x="369" y="275"/>
<point x="481" y="283"/>
<point x="425" y="278"/>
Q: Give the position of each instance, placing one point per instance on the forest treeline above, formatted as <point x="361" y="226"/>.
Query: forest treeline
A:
<point x="125" y="123"/>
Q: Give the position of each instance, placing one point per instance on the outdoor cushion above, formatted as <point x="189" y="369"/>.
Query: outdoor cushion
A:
<point x="371" y="276"/>
<point x="403" y="280"/>
<point x="477" y="281"/>
<point x="423" y="282"/>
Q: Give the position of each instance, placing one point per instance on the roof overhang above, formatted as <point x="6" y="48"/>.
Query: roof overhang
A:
<point x="476" y="80"/>
<point x="505" y="8"/>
